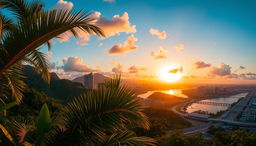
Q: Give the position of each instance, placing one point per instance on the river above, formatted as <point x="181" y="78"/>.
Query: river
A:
<point x="175" y="92"/>
<point x="215" y="108"/>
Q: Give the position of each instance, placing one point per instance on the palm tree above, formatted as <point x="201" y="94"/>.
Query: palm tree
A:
<point x="22" y="37"/>
<point x="96" y="117"/>
<point x="100" y="117"/>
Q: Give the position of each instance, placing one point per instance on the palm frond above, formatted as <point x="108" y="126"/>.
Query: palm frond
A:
<point x="22" y="8"/>
<point x="6" y="25"/>
<point x="40" y="63"/>
<point x="127" y="138"/>
<point x="6" y="138"/>
<point x="38" y="30"/>
<point x="20" y="129"/>
<point x="11" y="80"/>
<point x="106" y="108"/>
<point x="114" y="82"/>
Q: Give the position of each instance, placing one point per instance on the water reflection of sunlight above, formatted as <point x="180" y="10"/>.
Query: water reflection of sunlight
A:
<point x="171" y="92"/>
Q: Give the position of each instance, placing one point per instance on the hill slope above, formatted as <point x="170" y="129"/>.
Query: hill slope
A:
<point x="61" y="89"/>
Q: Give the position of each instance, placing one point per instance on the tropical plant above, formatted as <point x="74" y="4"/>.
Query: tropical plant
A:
<point x="21" y="37"/>
<point x="98" y="117"/>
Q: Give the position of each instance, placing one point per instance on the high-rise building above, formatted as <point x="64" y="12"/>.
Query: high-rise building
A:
<point x="88" y="81"/>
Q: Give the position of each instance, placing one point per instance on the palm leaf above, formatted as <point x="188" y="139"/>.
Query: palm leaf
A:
<point x="106" y="109"/>
<point x="40" y="63"/>
<point x="11" y="80"/>
<point x="38" y="30"/>
<point x="6" y="138"/>
<point x="21" y="8"/>
<point x="127" y="138"/>
<point x="20" y="128"/>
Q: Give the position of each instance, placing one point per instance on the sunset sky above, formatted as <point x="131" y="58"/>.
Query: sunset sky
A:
<point x="206" y="40"/>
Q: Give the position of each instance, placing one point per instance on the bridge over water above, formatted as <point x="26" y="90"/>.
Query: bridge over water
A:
<point x="213" y="103"/>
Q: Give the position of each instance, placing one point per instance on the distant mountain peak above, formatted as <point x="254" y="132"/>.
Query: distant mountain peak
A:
<point x="97" y="78"/>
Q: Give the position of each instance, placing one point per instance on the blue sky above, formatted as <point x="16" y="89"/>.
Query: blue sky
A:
<point x="212" y="31"/>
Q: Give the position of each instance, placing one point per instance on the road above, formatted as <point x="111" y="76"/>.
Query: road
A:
<point x="199" y="127"/>
<point x="234" y="111"/>
<point x="228" y="117"/>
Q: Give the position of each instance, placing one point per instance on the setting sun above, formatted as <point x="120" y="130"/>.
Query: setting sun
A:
<point x="171" y="73"/>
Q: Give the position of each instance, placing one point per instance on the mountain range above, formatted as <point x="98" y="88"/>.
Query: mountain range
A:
<point x="97" y="78"/>
<point x="61" y="89"/>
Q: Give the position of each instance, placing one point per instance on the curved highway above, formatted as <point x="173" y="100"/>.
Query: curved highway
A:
<point x="228" y="117"/>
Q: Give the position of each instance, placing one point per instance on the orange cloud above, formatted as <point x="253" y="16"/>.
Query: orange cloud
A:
<point x="134" y="69"/>
<point x="116" y="26"/>
<point x="179" y="47"/>
<point x="110" y="28"/>
<point x="156" y="32"/>
<point x="201" y="65"/>
<point x="176" y="70"/>
<point x="159" y="54"/>
<point x="117" y="69"/>
<point x="129" y="45"/>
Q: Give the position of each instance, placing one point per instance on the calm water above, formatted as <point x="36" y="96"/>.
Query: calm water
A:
<point x="213" y="108"/>
<point x="175" y="92"/>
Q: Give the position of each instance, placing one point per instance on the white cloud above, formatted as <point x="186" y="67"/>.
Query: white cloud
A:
<point x="221" y="70"/>
<point x="61" y="4"/>
<point x="129" y="45"/>
<point x="52" y="65"/>
<point x="156" y="32"/>
<point x="75" y="64"/>
<point x="110" y="28"/>
<point x="159" y="54"/>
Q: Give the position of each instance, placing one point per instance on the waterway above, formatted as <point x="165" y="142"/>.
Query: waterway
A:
<point x="175" y="92"/>
<point x="214" y="108"/>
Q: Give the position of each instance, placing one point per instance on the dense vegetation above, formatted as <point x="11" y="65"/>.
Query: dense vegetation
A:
<point x="31" y="104"/>
<point x="107" y="116"/>
<point x="162" y="121"/>
<point x="222" y="138"/>
<point x="97" y="117"/>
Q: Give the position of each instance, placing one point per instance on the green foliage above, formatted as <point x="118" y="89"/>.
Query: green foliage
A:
<point x="235" y="138"/>
<point x="127" y="138"/>
<point x="43" y="125"/>
<point x="177" y="139"/>
<point x="97" y="117"/>
<point x="98" y="113"/>
<point x="21" y="37"/>
<point x="31" y="104"/>
<point x="222" y="138"/>
<point x="161" y="121"/>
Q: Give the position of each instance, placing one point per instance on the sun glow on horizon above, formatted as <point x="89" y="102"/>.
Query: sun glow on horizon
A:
<point x="170" y="73"/>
